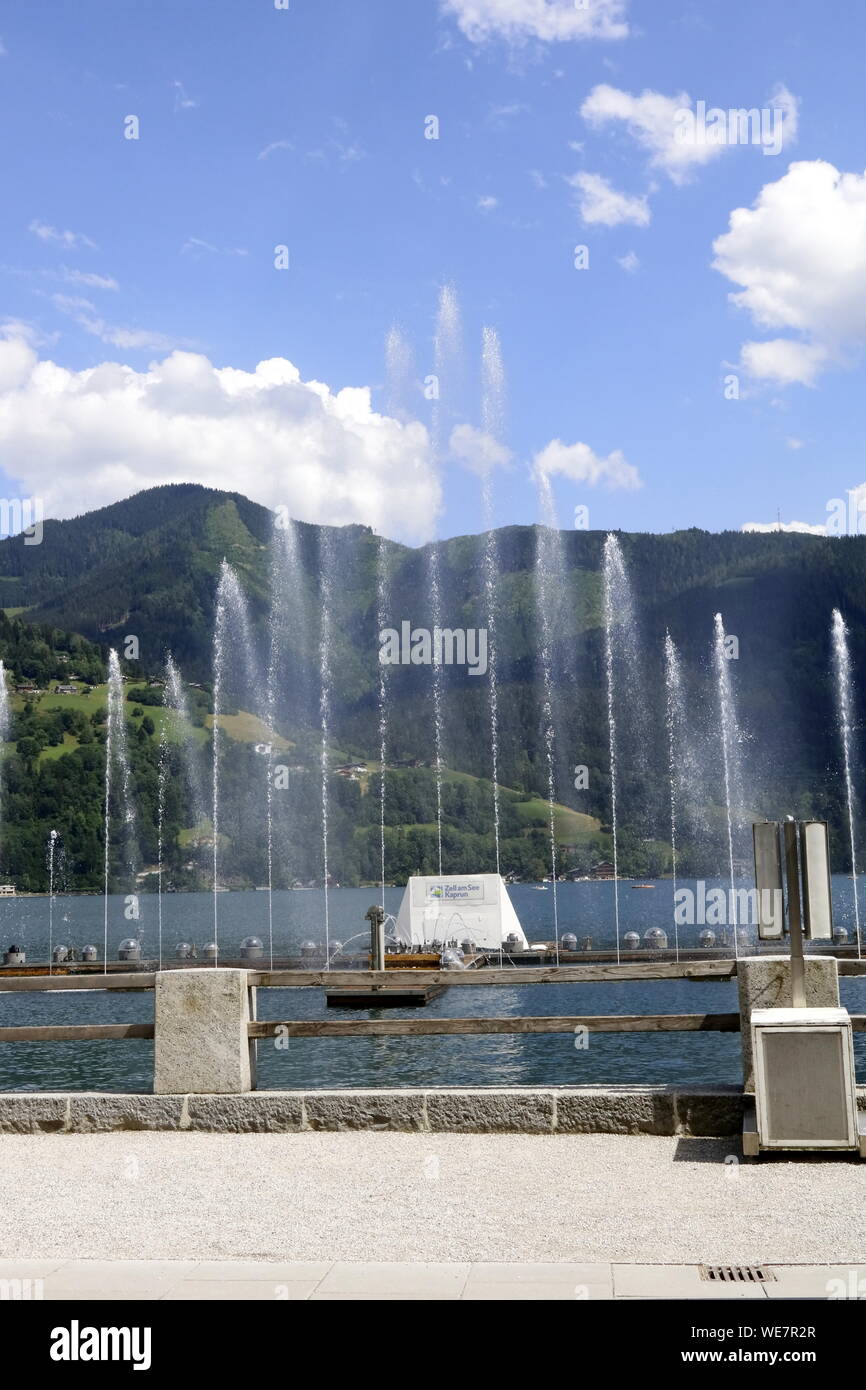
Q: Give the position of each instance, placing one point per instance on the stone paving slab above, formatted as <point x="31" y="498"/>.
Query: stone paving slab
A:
<point x="382" y="1281"/>
<point x="675" y="1281"/>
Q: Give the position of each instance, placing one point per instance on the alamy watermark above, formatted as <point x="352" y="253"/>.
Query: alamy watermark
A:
<point x="441" y="646"/>
<point x="719" y="907"/>
<point x="736" y="126"/>
<point x="22" y="514"/>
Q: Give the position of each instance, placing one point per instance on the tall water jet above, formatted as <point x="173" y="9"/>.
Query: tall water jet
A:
<point x="176" y="705"/>
<point x="382" y="614"/>
<point x="627" y="739"/>
<point x="436" y="687"/>
<point x="492" y="422"/>
<point x="51" y="849"/>
<point x="447" y="365"/>
<point x="326" y="599"/>
<point x="162" y="783"/>
<point x="5" y="724"/>
<point x="289" y="686"/>
<point x="675" y="720"/>
<point x="231" y="619"/>
<point x="613" y="567"/>
<point x="845" y="715"/>
<point x="548" y="578"/>
<point x="729" y="735"/>
<point x="399" y="374"/>
<point x="117" y="774"/>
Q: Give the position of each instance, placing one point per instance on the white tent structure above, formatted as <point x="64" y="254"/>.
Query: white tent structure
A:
<point x="462" y="907"/>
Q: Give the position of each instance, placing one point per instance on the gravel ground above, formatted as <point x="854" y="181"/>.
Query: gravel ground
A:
<point x="449" y="1197"/>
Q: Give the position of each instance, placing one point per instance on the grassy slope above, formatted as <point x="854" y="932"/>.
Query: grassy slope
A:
<point x="244" y="727"/>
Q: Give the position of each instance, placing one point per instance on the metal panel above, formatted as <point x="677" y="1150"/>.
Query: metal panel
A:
<point x="817" y="901"/>
<point x="768" y="880"/>
<point x="804" y="1088"/>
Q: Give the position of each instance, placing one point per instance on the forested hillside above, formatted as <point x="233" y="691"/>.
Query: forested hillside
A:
<point x="148" y="568"/>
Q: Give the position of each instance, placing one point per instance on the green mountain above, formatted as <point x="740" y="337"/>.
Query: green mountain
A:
<point x="148" y="567"/>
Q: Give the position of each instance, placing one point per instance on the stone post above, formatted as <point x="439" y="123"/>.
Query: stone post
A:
<point x="201" y="1042"/>
<point x="764" y="982"/>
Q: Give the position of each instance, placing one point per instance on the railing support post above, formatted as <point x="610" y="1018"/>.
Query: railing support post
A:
<point x="766" y="982"/>
<point x="201" y="1040"/>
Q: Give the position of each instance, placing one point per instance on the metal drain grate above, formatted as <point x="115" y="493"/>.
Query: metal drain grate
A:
<point x="737" y="1274"/>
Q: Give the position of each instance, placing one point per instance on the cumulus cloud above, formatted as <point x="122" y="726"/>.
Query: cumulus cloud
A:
<point x="799" y="255"/>
<point x="81" y="439"/>
<point x="479" y="451"/>
<point x="548" y="20"/>
<point x="680" y="136"/>
<point x="600" y="202"/>
<point x="651" y="120"/>
<point x="629" y="262"/>
<point x="581" y="464"/>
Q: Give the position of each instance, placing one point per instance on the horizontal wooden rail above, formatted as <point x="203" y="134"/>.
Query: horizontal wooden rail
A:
<point x="76" y="1032"/>
<point x="496" y="975"/>
<point x="419" y="1027"/>
<point x="130" y="980"/>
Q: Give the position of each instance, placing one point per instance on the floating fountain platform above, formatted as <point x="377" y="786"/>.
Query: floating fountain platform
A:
<point x="439" y="911"/>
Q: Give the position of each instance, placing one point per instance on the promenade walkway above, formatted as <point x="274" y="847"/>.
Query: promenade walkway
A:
<point x="192" y="1214"/>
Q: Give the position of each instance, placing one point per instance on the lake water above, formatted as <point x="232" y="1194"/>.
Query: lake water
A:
<point x="497" y="1060"/>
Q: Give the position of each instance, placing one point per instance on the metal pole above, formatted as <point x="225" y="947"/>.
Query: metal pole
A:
<point x="376" y="918"/>
<point x="795" y="914"/>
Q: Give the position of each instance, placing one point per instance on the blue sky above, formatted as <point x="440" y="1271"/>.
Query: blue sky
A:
<point x="305" y="127"/>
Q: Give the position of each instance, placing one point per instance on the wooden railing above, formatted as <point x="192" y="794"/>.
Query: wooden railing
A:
<point x="419" y="1026"/>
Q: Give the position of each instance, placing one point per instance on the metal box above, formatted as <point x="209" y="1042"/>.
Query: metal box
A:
<point x="804" y="1079"/>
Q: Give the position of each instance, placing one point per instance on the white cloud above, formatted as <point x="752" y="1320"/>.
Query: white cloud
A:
<point x="86" y="315"/>
<point x="88" y="278"/>
<point x="601" y="202"/>
<point x="651" y="120"/>
<point x="47" y="233"/>
<point x="582" y="465"/>
<point x="846" y="516"/>
<point x="799" y="255"/>
<point x="548" y="20"/>
<point x="274" y="145"/>
<point x="629" y="262"/>
<point x="479" y="451"/>
<point x="81" y="439"/>
<point x="196" y="246"/>
<point x="680" y="136"/>
<point x="498" y="117"/>
<point x="802" y="527"/>
<point x="182" y="101"/>
<point x="487" y="203"/>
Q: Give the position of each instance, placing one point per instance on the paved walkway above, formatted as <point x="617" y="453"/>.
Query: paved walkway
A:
<point x="440" y="1200"/>
<point x="155" y="1280"/>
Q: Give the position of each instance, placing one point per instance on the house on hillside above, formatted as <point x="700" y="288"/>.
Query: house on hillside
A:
<point x="603" y="870"/>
